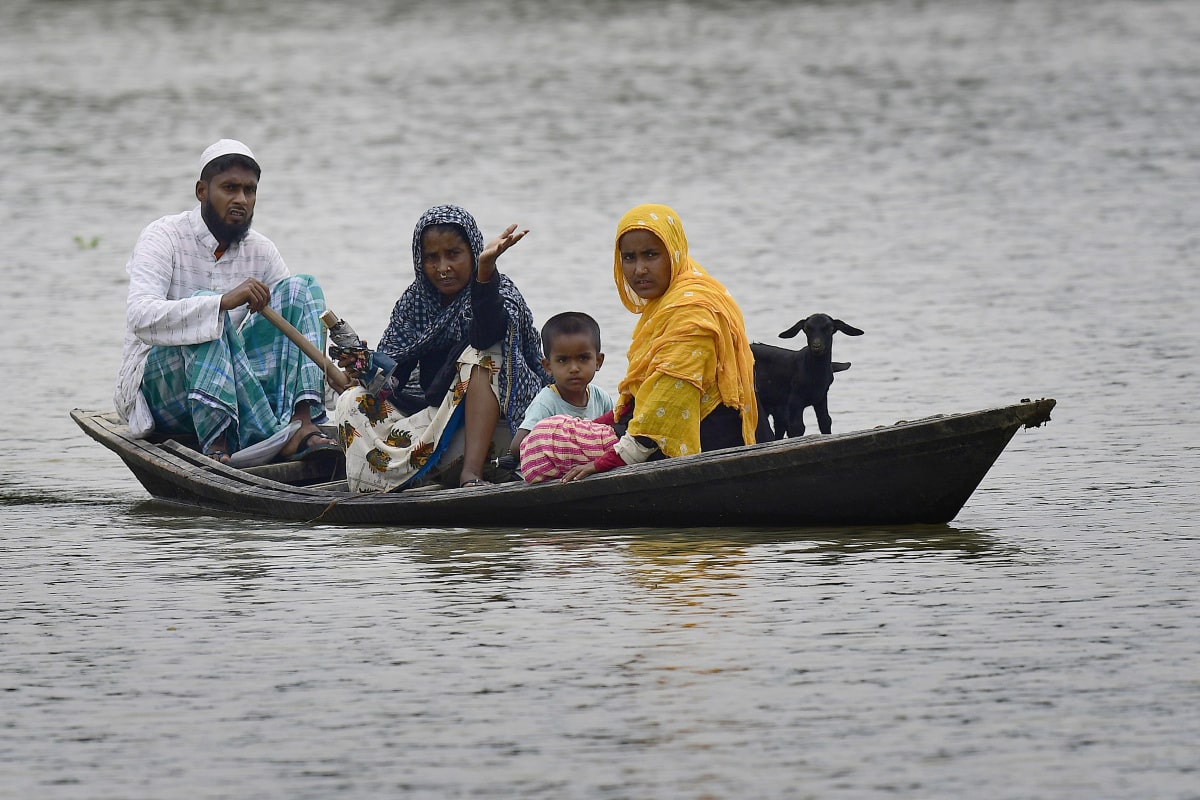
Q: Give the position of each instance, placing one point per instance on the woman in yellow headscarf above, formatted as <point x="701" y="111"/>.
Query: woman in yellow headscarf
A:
<point x="690" y="383"/>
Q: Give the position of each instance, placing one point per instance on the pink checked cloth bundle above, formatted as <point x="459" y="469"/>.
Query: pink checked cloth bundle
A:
<point x="556" y="444"/>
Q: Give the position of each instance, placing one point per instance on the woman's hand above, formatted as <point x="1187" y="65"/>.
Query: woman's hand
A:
<point x="487" y="259"/>
<point x="341" y="380"/>
<point x="250" y="292"/>
<point x="578" y="473"/>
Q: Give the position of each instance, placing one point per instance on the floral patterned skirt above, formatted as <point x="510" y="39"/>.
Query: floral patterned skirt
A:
<point x="387" y="451"/>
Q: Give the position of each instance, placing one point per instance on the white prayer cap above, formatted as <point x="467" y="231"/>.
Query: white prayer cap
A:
<point x="224" y="147"/>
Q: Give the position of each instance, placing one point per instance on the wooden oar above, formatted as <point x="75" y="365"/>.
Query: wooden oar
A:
<point x="335" y="375"/>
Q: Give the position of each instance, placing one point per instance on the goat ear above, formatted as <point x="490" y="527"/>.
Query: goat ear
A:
<point x="792" y="331"/>
<point x="840" y="366"/>
<point x="849" y="330"/>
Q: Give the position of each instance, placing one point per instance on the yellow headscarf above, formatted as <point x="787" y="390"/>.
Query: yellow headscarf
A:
<point x="665" y="340"/>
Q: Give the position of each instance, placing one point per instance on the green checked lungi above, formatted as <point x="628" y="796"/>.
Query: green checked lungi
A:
<point x="247" y="383"/>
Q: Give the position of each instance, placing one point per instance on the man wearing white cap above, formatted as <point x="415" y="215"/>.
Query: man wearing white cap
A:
<point x="197" y="359"/>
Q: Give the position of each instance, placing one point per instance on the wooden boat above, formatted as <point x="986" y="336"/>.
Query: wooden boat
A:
<point x="914" y="472"/>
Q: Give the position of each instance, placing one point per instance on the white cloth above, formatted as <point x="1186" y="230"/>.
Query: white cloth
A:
<point x="632" y="451"/>
<point x="549" y="403"/>
<point x="172" y="260"/>
<point x="386" y="450"/>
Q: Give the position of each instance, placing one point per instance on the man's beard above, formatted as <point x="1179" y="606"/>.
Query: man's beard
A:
<point x="222" y="230"/>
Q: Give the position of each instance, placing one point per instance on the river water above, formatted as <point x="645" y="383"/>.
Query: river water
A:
<point x="1003" y="195"/>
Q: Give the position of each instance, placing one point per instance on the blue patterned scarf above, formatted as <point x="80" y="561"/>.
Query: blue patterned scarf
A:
<point x="421" y="324"/>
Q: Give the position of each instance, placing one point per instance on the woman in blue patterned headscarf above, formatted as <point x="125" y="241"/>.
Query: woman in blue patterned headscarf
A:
<point x="466" y="331"/>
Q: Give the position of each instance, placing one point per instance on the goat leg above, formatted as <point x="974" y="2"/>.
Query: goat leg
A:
<point x="824" y="421"/>
<point x="795" y="419"/>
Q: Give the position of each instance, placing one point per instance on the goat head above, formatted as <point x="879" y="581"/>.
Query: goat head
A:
<point x="819" y="330"/>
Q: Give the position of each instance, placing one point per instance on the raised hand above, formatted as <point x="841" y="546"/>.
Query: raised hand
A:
<point x="487" y="259"/>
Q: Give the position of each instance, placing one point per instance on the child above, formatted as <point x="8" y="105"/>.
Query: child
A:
<point x="571" y="342"/>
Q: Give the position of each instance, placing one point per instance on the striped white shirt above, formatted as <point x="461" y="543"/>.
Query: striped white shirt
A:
<point x="172" y="260"/>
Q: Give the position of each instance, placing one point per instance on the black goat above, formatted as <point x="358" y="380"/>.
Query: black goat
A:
<point x="787" y="381"/>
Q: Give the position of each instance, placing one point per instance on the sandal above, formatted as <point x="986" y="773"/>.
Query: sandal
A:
<point x="218" y="449"/>
<point x="306" y="450"/>
<point x="474" y="482"/>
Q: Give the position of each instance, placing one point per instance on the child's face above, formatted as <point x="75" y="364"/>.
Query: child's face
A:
<point x="573" y="361"/>
<point x="645" y="263"/>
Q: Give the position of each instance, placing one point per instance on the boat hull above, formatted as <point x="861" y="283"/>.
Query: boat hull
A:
<point x="917" y="472"/>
